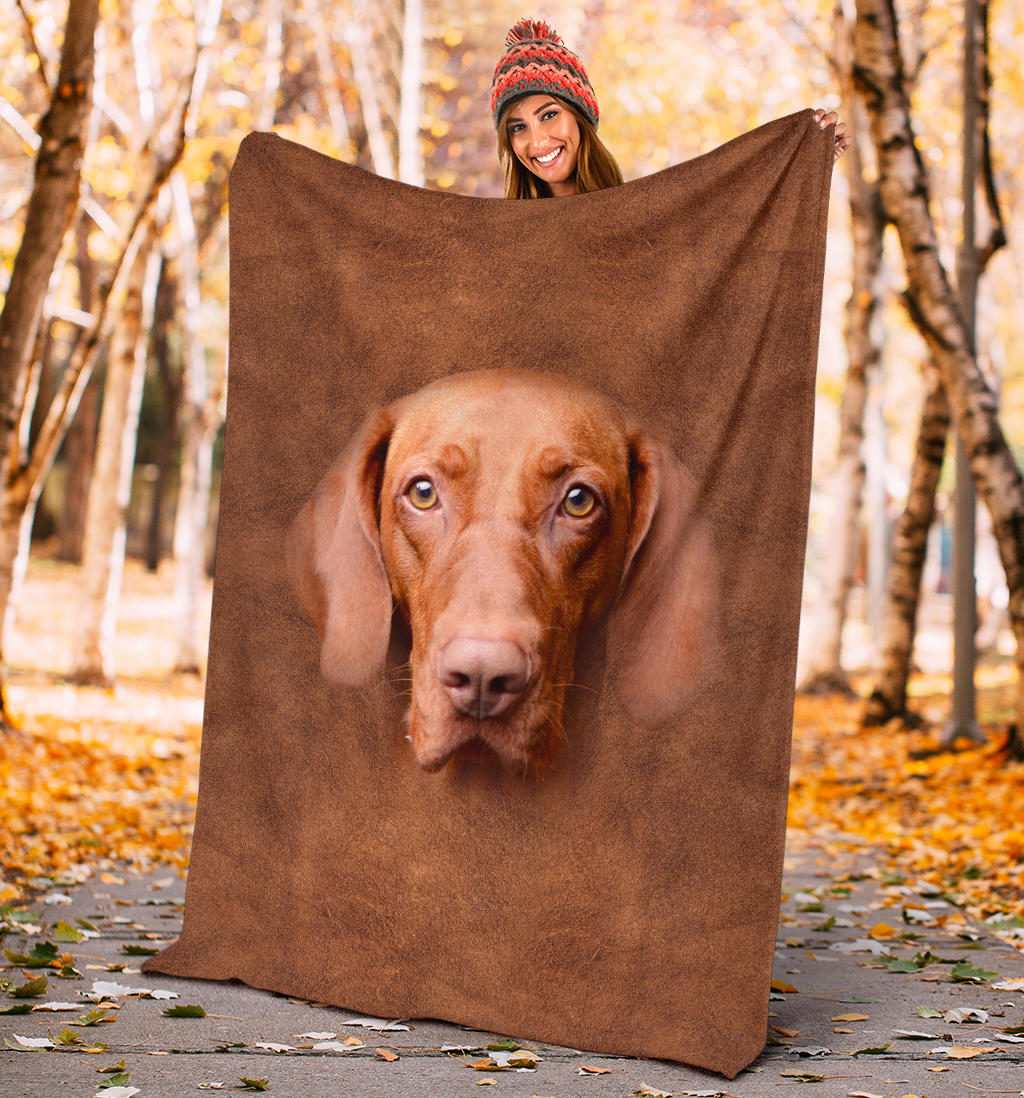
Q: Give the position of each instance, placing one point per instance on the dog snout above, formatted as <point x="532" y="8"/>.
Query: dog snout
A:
<point x="483" y="677"/>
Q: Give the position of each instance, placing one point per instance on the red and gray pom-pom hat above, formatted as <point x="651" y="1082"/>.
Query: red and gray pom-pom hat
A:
<point x="536" y="61"/>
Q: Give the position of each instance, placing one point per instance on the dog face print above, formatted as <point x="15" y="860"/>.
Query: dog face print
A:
<point x="505" y="515"/>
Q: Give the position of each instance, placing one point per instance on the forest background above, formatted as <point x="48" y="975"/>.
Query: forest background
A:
<point x="111" y="411"/>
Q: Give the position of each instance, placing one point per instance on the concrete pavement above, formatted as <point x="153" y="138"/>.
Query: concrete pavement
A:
<point x="847" y="1018"/>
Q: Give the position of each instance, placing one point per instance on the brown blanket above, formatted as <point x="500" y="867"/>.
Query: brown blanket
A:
<point x="507" y="592"/>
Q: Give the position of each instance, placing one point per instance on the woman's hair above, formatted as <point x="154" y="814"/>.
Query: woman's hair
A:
<point x="595" y="166"/>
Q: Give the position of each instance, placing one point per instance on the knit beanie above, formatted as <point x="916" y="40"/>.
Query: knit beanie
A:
<point x="536" y="61"/>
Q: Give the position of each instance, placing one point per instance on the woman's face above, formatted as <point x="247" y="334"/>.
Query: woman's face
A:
<point x="545" y="137"/>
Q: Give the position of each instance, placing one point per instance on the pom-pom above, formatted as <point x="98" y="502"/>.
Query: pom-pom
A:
<point x="528" y="30"/>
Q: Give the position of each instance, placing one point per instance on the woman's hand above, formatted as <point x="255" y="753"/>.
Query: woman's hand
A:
<point x="843" y="139"/>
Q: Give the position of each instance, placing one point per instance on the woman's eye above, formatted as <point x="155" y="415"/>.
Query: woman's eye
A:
<point x="515" y="128"/>
<point x="579" y="501"/>
<point x="422" y="494"/>
<point x="549" y="114"/>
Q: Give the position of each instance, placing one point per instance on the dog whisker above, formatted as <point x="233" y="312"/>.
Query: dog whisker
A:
<point x="576" y="686"/>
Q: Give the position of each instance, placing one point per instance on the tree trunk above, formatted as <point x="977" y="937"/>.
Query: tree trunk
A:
<point x="80" y="443"/>
<point x="271" y="64"/>
<point x="200" y="421"/>
<point x="888" y="698"/>
<point x="822" y="670"/>
<point x="410" y="151"/>
<point x="358" y="38"/>
<point x="167" y="443"/>
<point x="933" y="302"/>
<point x="110" y="490"/>
<point x="329" y="82"/>
<point x="51" y="209"/>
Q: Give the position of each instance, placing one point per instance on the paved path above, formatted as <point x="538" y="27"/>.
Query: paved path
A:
<point x="841" y="999"/>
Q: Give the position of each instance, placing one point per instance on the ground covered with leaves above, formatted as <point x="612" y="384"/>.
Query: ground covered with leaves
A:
<point x="97" y="778"/>
<point x="952" y="818"/>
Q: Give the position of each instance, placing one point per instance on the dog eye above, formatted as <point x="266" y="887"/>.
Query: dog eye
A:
<point x="579" y="501"/>
<point x="422" y="494"/>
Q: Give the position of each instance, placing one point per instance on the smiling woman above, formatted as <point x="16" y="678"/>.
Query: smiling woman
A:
<point x="546" y="115"/>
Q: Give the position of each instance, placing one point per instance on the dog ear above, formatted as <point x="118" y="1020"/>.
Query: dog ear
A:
<point x="662" y="628"/>
<point x="335" y="563"/>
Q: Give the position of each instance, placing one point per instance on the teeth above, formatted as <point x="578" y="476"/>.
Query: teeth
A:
<point x="548" y="158"/>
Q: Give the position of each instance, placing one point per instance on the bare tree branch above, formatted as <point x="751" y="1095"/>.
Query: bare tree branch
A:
<point x="30" y="34"/>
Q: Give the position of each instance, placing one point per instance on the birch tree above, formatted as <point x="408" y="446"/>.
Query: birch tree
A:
<point x="200" y="401"/>
<point x="932" y="301"/>
<point x="410" y="153"/>
<point x="823" y="669"/>
<point x="27" y="471"/>
<point x="51" y="211"/>
<point x="888" y="697"/>
<point x="110" y="487"/>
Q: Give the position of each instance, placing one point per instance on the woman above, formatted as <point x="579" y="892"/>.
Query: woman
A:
<point x="546" y="113"/>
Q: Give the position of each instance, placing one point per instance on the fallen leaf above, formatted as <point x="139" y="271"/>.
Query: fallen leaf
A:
<point x="65" y="932"/>
<point x="802" y="1076"/>
<point x="863" y="1094"/>
<point x="268" y="1045"/>
<point x="938" y="1069"/>
<point x="386" y="1054"/>
<point x="118" y="1079"/>
<point x="874" y="1050"/>
<point x="43" y="955"/>
<point x="117" y="1092"/>
<point x="783" y="987"/>
<point x="959" y="1015"/>
<point x="928" y="1012"/>
<point x="27" y="1044"/>
<point x="958" y="1052"/>
<point x="516" y="1058"/>
<point x="902" y="966"/>
<point x="851" y="1018"/>
<point x="31" y="988"/>
<point x="881" y="931"/>
<point x="376" y="1023"/>
<point x="965" y="972"/>
<point x="191" y="1010"/>
<point x="95" y="1018"/>
<point x="113" y="1069"/>
<point x="786" y="1032"/>
<point x="253" y="1084"/>
<point x="487" y="1082"/>
<point x="585" y="1070"/>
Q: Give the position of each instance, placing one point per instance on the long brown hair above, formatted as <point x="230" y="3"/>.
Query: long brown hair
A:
<point x="595" y="166"/>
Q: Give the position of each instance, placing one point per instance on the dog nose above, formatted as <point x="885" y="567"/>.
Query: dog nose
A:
<point x="483" y="677"/>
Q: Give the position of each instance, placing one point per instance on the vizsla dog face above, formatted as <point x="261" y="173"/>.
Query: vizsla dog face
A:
<point x="505" y="513"/>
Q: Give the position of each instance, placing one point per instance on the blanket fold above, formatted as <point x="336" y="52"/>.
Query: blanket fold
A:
<point x="622" y="897"/>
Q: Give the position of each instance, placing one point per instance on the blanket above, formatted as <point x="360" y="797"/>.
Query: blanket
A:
<point x="510" y="746"/>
